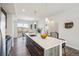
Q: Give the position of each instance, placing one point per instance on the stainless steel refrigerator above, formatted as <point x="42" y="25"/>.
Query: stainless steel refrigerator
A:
<point x="1" y="44"/>
<point x="2" y="33"/>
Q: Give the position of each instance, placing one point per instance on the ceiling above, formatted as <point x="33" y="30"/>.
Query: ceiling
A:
<point x="8" y="7"/>
<point x="38" y="10"/>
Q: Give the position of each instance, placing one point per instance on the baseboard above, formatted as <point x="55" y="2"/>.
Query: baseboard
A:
<point x="72" y="47"/>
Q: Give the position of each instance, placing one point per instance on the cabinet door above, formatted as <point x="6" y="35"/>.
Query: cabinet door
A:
<point x="34" y="48"/>
<point x="39" y="50"/>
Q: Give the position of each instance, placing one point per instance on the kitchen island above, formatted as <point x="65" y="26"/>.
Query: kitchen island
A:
<point x="44" y="47"/>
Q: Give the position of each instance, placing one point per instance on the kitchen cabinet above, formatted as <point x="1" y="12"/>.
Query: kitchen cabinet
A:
<point x="34" y="48"/>
<point x="44" y="47"/>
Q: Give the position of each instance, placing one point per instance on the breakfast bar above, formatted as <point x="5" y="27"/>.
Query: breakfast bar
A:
<point x="43" y="47"/>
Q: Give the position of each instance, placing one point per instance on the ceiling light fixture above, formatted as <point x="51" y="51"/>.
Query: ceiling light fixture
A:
<point x="35" y="13"/>
<point x="34" y="22"/>
<point x="23" y="10"/>
<point x="47" y="20"/>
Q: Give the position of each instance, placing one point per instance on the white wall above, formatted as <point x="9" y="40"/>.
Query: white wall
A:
<point x="11" y="26"/>
<point x="70" y="35"/>
<point x="41" y="23"/>
<point x="52" y="25"/>
<point x="15" y="28"/>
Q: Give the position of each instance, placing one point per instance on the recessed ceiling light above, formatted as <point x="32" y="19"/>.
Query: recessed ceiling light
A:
<point x="23" y="10"/>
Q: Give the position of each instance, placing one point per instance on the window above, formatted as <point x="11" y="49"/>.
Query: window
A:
<point x="26" y="25"/>
<point x="22" y="25"/>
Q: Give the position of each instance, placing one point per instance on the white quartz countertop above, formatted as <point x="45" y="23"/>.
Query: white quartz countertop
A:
<point x="47" y="43"/>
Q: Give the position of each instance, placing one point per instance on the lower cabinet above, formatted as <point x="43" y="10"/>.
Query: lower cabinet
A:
<point x="34" y="48"/>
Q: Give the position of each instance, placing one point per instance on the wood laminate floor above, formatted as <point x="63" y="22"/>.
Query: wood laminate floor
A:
<point x="20" y="49"/>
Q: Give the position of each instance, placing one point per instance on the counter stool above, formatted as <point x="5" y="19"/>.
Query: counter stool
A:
<point x="56" y="35"/>
<point x="63" y="46"/>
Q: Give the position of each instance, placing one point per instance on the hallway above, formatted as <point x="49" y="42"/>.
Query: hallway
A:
<point x="19" y="48"/>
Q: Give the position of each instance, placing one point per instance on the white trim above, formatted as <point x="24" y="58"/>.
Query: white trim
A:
<point x="72" y="47"/>
<point x="60" y="49"/>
